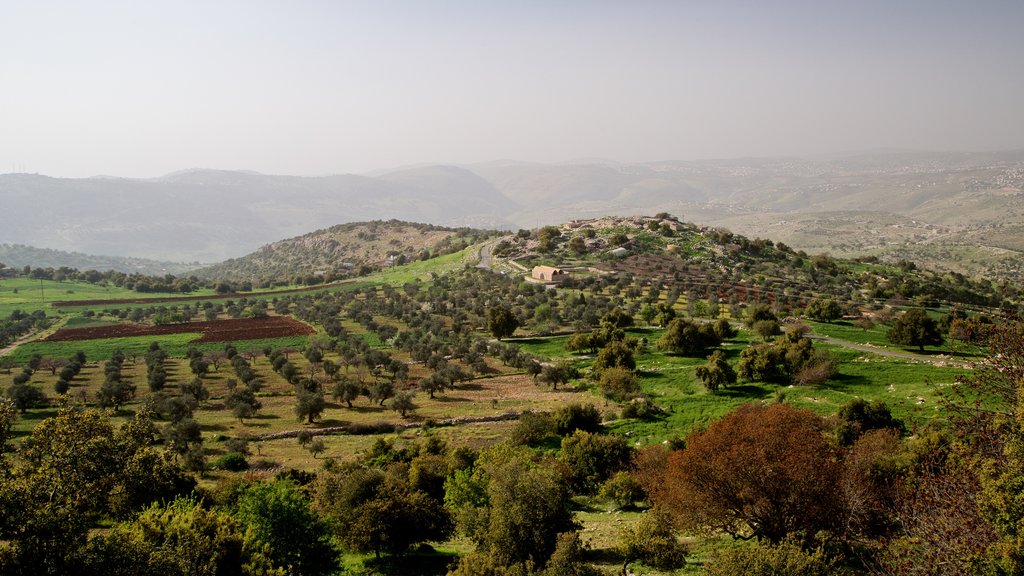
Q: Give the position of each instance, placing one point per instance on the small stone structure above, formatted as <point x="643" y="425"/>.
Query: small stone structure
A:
<point x="548" y="274"/>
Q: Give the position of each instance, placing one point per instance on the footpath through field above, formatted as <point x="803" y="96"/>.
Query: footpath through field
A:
<point x="943" y="361"/>
<point x="33" y="336"/>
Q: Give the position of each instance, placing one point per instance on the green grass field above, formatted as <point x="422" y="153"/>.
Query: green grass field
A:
<point x="29" y="295"/>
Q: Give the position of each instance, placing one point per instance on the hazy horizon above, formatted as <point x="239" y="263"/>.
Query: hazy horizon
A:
<point x="316" y="88"/>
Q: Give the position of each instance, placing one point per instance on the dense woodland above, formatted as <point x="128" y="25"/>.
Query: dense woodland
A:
<point x="129" y="468"/>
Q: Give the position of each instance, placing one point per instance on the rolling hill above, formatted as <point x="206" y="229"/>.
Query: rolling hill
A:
<point x="342" y="250"/>
<point x="958" y="211"/>
<point x="18" y="256"/>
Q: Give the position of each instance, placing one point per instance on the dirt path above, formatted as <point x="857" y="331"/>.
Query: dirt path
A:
<point x="944" y="361"/>
<point x="33" y="336"/>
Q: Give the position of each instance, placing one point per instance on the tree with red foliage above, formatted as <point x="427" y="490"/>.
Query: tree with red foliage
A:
<point x="760" y="472"/>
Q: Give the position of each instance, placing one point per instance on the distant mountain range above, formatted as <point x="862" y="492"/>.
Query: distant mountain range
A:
<point x="19" y="256"/>
<point x="960" y="210"/>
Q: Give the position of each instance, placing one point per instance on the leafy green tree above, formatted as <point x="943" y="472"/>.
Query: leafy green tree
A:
<point x="568" y="558"/>
<point x="402" y="403"/>
<point x="647" y="313"/>
<point x="533" y="427"/>
<point x="316" y="447"/>
<point x="915" y="328"/>
<point x="382" y="513"/>
<point x="622" y="489"/>
<point x="243" y="403"/>
<point x="767" y="329"/>
<point x="618" y="318"/>
<point x="72" y="470"/>
<point x="723" y="328"/>
<point x="181" y="538"/>
<point x="8" y="413"/>
<point x="309" y="405"/>
<point x="501" y="321"/>
<point x="583" y="341"/>
<point x="511" y="506"/>
<point x="199" y="366"/>
<point x="717" y="373"/>
<point x="558" y="373"/>
<point x="665" y="314"/>
<point x="346" y="390"/>
<point x="688" y="338"/>
<point x="433" y="384"/>
<point x="182" y="435"/>
<point x="786" y="558"/>
<point x="26" y="396"/>
<point x="576" y="416"/>
<point x="547" y="236"/>
<point x="859" y="416"/>
<point x="653" y="541"/>
<point x="619" y="383"/>
<point x="826" y="310"/>
<point x="593" y="458"/>
<point x="615" y="354"/>
<point x="758" y="313"/>
<point x="380" y="391"/>
<point x="764" y="363"/>
<point x="578" y="245"/>
<point x="114" y="393"/>
<point x="157" y="378"/>
<point x="196" y="390"/>
<point x="278" y="514"/>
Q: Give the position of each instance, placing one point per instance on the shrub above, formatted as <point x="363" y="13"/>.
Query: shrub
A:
<point x="717" y="372"/>
<point x="622" y="489"/>
<point x="574" y="417"/>
<point x="619" y="383"/>
<point x="593" y="458"/>
<point x="688" y="338"/>
<point x="641" y="407"/>
<point x="533" y="427"/>
<point x="785" y="558"/>
<point x="615" y="354"/>
<point x="723" y="328"/>
<point x="232" y="461"/>
<point x="654" y="542"/>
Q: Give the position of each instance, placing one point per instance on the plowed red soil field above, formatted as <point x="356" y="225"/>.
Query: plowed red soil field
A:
<point x="212" y="331"/>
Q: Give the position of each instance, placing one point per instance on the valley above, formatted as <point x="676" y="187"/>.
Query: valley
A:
<point x="406" y="358"/>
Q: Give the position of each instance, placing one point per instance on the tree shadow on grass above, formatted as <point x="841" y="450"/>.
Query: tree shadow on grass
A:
<point x="417" y="563"/>
<point x="749" y="391"/>
<point x="843" y="382"/>
<point x="329" y="422"/>
<point x="650" y="374"/>
<point x="603" y="556"/>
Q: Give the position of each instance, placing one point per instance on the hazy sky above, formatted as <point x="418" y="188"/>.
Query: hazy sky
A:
<point x="304" y="87"/>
